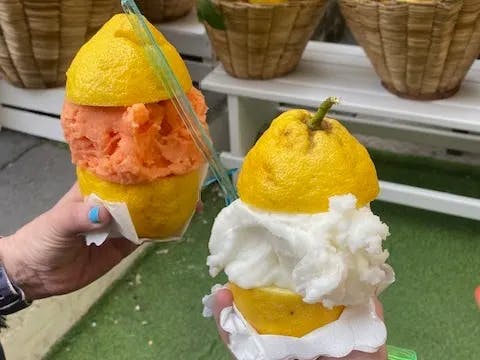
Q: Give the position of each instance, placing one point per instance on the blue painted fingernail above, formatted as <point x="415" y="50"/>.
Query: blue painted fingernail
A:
<point x="94" y="215"/>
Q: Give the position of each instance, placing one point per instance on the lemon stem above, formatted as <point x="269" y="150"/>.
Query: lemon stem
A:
<point x="315" y="122"/>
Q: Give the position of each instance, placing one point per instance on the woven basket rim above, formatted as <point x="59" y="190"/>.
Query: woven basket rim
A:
<point x="402" y="4"/>
<point x="243" y="5"/>
<point x="180" y="6"/>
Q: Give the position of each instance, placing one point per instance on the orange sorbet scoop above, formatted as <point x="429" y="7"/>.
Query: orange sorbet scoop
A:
<point x="135" y="144"/>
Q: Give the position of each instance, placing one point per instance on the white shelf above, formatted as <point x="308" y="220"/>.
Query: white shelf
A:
<point x="188" y="36"/>
<point x="344" y="71"/>
<point x="401" y="194"/>
<point x="43" y="100"/>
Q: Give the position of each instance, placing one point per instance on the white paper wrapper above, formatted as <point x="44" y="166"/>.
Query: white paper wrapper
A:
<point x="358" y="328"/>
<point x="122" y="224"/>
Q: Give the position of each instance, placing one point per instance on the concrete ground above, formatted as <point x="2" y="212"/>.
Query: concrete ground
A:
<point x="35" y="173"/>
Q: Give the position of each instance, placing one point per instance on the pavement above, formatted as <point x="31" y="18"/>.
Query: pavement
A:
<point x="34" y="173"/>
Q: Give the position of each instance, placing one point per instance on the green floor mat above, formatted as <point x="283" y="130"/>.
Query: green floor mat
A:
<point x="432" y="174"/>
<point x="155" y="311"/>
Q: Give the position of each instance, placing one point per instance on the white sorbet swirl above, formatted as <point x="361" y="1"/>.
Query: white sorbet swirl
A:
<point x="334" y="257"/>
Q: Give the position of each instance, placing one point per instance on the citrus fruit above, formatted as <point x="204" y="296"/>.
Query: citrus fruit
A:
<point x="301" y="161"/>
<point x="111" y="69"/>
<point x="159" y="209"/>
<point x="272" y="310"/>
<point x="296" y="168"/>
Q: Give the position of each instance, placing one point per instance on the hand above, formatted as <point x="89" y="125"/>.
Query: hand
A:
<point x="49" y="256"/>
<point x="223" y="299"/>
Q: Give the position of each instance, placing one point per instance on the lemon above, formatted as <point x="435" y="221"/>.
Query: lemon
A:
<point x="159" y="209"/>
<point x="111" y="69"/>
<point x="273" y="310"/>
<point x="295" y="169"/>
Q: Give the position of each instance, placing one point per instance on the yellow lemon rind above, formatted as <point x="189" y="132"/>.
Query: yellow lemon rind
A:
<point x="276" y="311"/>
<point x="291" y="169"/>
<point x="159" y="210"/>
<point x="111" y="69"/>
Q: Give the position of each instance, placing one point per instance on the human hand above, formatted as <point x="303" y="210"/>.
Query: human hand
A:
<point x="49" y="255"/>
<point x="223" y="299"/>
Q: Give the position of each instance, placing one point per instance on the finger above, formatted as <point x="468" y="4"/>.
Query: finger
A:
<point x="103" y="258"/>
<point x="378" y="308"/>
<point x="199" y="207"/>
<point x="223" y="299"/>
<point x="74" y="218"/>
<point x="477" y="296"/>
<point x="110" y="253"/>
<point x="123" y="247"/>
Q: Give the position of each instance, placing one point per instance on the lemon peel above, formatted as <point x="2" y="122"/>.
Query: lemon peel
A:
<point x="159" y="209"/>
<point x="111" y="69"/>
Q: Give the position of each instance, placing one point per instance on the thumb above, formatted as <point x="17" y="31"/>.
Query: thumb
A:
<point x="73" y="218"/>
<point x="223" y="299"/>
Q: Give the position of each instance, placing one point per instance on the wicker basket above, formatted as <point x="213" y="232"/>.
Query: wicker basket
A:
<point x="264" y="41"/>
<point x="420" y="50"/>
<point x="165" y="10"/>
<point x="38" y="39"/>
<point x="332" y="28"/>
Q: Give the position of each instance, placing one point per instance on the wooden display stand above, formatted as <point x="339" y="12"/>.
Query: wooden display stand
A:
<point x="344" y="71"/>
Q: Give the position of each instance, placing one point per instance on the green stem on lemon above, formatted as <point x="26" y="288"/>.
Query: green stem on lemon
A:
<point x="315" y="122"/>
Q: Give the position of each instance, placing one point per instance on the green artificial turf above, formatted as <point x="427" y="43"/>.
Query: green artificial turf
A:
<point x="427" y="172"/>
<point x="155" y="311"/>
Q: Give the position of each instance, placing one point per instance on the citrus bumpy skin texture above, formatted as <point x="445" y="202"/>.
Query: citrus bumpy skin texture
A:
<point x="301" y="243"/>
<point x="159" y="209"/>
<point x="282" y="312"/>
<point x="127" y="140"/>
<point x="111" y="68"/>
<point x="295" y="170"/>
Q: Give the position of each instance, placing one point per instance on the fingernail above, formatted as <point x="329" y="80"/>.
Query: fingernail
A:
<point x="94" y="215"/>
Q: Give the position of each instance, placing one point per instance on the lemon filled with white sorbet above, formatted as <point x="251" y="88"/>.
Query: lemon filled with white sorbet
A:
<point x="301" y="245"/>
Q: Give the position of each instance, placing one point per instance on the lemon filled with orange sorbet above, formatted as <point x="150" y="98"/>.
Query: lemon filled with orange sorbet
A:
<point x="125" y="136"/>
